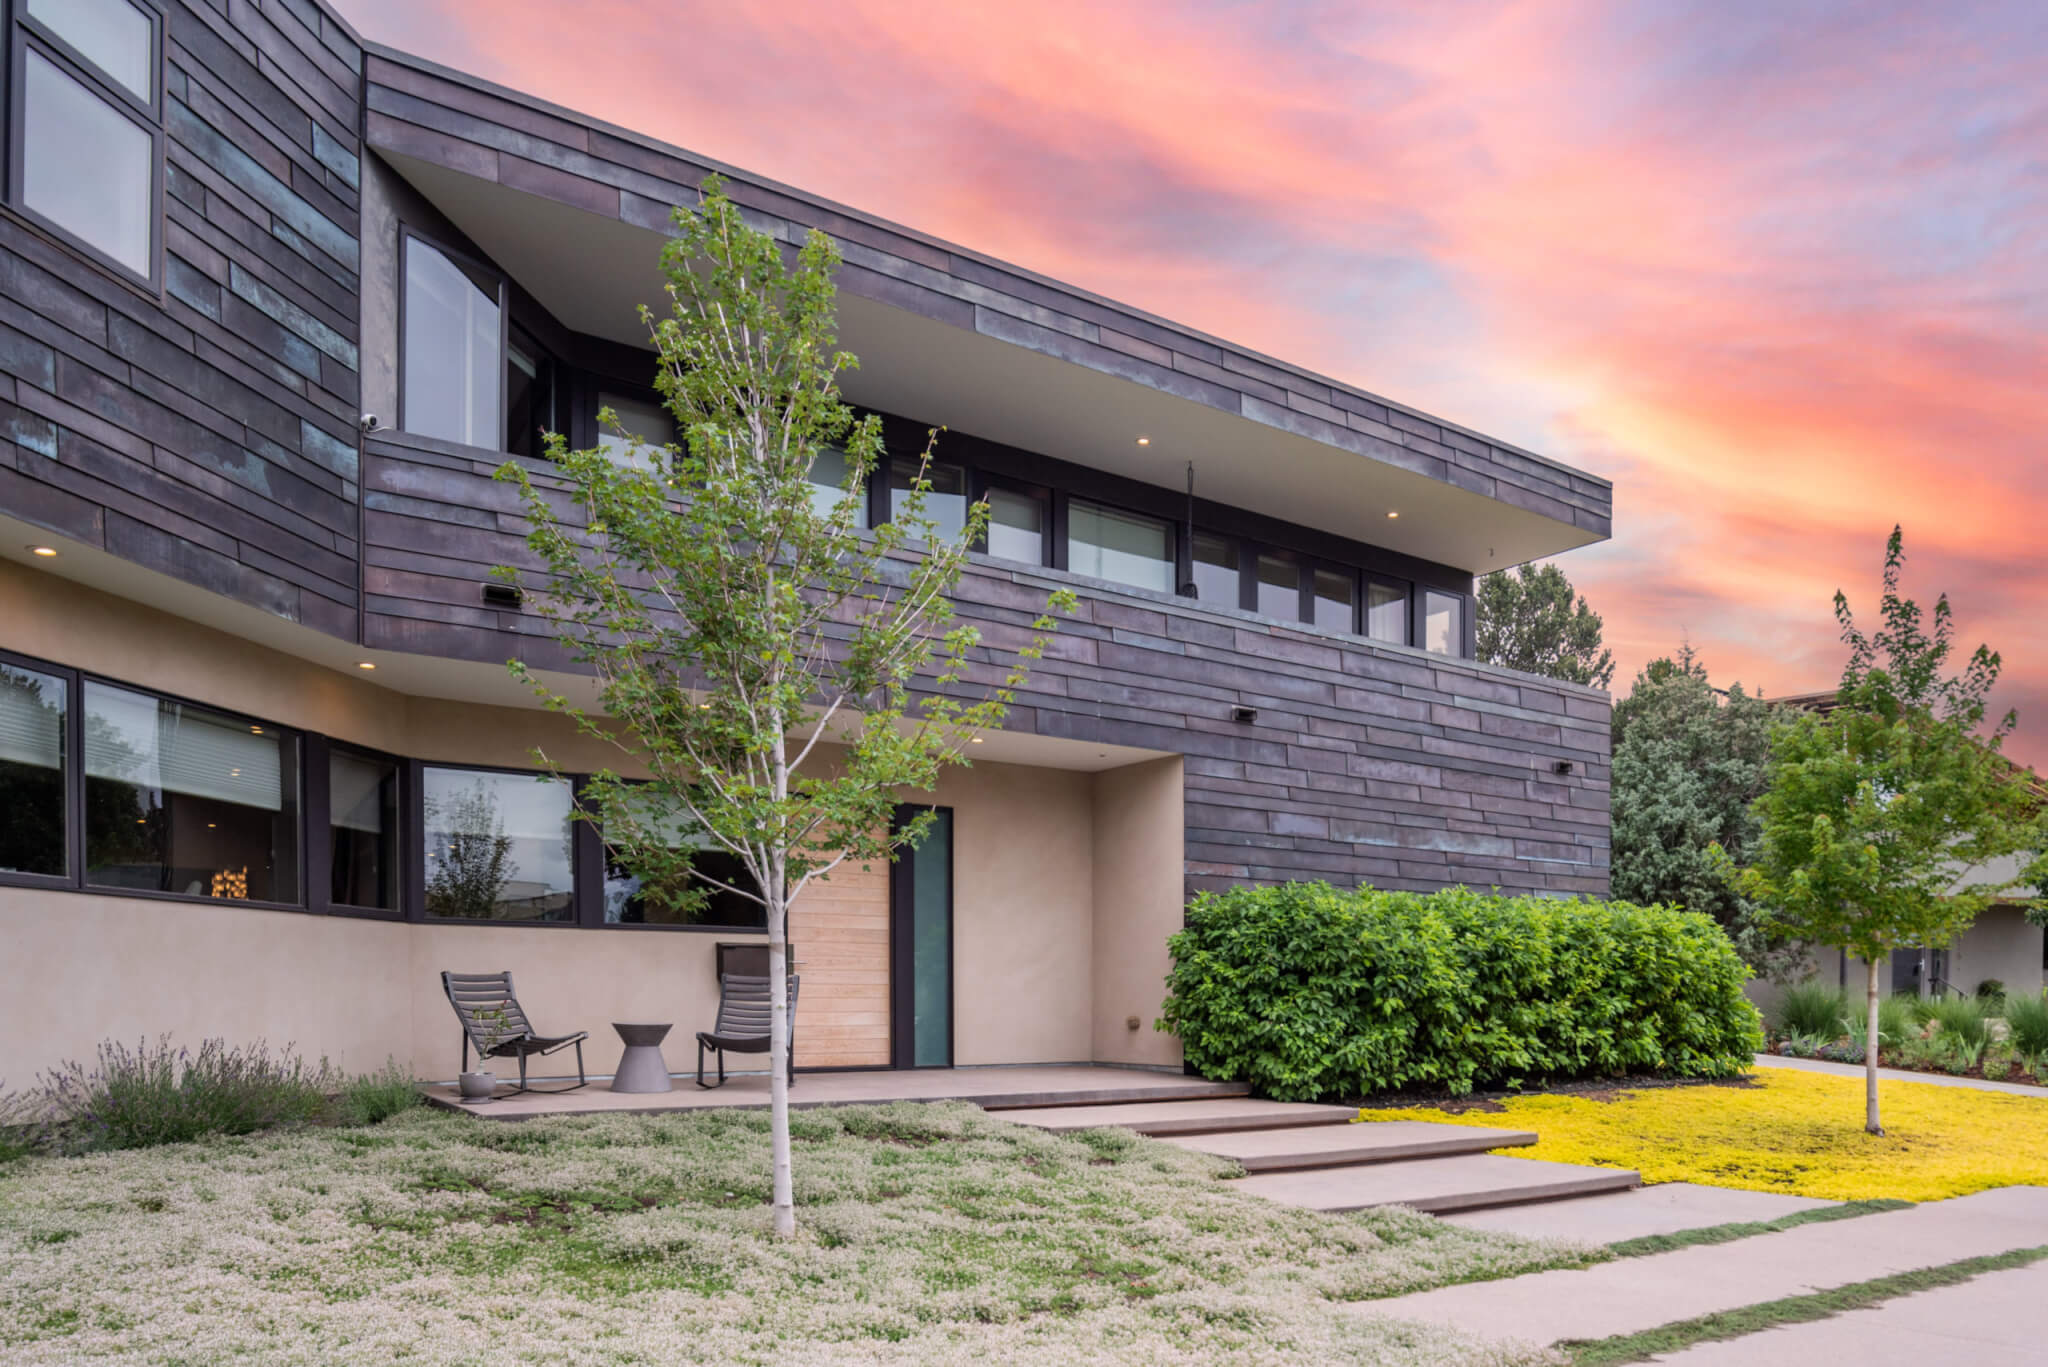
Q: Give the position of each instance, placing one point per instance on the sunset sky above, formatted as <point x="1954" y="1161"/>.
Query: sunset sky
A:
<point x="1780" y="271"/>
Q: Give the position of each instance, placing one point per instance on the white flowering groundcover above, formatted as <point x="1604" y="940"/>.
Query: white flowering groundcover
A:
<point x="929" y="1234"/>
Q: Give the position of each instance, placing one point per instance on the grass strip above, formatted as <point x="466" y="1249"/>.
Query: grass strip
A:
<point x="1751" y="1319"/>
<point x="1743" y="1229"/>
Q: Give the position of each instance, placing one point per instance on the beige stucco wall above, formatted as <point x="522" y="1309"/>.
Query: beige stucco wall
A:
<point x="1066" y="886"/>
<point x="2002" y="945"/>
<point x="1139" y="840"/>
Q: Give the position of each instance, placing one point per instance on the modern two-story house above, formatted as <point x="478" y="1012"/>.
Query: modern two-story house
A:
<point x="275" y="302"/>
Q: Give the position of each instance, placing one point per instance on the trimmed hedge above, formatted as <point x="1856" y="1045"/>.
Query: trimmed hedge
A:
<point x="1304" y="991"/>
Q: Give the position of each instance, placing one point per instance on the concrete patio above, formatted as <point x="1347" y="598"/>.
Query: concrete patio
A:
<point x="992" y="1088"/>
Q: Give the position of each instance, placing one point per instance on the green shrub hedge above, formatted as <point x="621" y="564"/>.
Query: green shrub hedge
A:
<point x="1305" y="991"/>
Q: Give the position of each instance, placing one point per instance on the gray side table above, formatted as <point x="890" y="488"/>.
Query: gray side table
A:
<point x="641" y="1068"/>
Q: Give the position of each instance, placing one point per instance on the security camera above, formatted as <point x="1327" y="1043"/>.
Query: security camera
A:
<point x="368" y="423"/>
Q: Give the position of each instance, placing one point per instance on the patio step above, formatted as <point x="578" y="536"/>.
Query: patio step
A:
<point x="1437" y="1185"/>
<point x="1342" y="1146"/>
<point x="1201" y="1116"/>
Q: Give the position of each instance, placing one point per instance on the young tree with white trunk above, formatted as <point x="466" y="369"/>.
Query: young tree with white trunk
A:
<point x="782" y="676"/>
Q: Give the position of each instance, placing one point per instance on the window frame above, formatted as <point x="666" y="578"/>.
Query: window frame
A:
<point x="595" y="916"/>
<point x="407" y="235"/>
<point x="319" y="805"/>
<point x="24" y="32"/>
<point x="74" y="779"/>
<point x="980" y="483"/>
<point x="581" y="835"/>
<point x="1175" y="535"/>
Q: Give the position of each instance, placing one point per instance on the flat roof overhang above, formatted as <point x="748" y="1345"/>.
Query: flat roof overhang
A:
<point x="938" y="346"/>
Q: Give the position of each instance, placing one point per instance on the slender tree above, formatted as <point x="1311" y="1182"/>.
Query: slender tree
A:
<point x="1887" y="821"/>
<point x="1689" y="761"/>
<point x="1530" y="619"/>
<point x="754" y="649"/>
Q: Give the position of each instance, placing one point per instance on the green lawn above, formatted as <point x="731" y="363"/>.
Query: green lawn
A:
<point x="929" y="1234"/>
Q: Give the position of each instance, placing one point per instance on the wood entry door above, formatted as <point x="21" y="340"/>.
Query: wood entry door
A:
<point x="921" y="946"/>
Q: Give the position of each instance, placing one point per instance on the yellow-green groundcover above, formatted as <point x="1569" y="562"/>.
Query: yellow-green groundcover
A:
<point x="1795" y="1132"/>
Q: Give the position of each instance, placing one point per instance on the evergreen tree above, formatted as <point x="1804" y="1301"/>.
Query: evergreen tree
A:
<point x="1529" y="619"/>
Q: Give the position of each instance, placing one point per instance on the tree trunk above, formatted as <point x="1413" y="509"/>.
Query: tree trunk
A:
<point x="778" y="1017"/>
<point x="1870" y="1120"/>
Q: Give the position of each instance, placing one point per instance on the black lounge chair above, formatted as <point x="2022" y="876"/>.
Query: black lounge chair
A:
<point x="493" y="1021"/>
<point x="743" y="1023"/>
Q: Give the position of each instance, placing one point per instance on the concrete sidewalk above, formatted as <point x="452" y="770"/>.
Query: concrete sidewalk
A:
<point x="1991" y="1321"/>
<point x="1665" y="1208"/>
<point x="1633" y="1294"/>
<point x="1855" y="1070"/>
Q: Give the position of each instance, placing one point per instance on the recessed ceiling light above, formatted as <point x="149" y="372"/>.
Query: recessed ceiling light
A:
<point x="44" y="551"/>
<point x="366" y="664"/>
<point x="1144" y="441"/>
<point x="1393" y="514"/>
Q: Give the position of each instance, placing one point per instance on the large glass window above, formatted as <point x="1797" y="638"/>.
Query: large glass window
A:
<point x="1016" y="526"/>
<point x="1216" y="573"/>
<point x="1336" y="600"/>
<point x="1386" y="612"/>
<point x="1279" y="588"/>
<point x="828" y="485"/>
<point x="33" y="710"/>
<point x="181" y="799"/>
<point x="113" y="35"/>
<point x="529" y="394"/>
<point x="498" y="846"/>
<point x="644" y="418"/>
<point x="1126" y="548"/>
<point x="634" y="898"/>
<point x="451" y="347"/>
<point x="362" y="796"/>
<point x="87" y="165"/>
<point x="1443" y="622"/>
<point x="945" y="503"/>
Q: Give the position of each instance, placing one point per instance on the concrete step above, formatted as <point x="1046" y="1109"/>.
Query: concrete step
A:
<point x="1436" y="1185"/>
<point x="1329" y="1146"/>
<point x="1666" y="1208"/>
<point x="1211" y="1116"/>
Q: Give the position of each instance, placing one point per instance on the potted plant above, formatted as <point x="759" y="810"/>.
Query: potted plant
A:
<point x="481" y="1084"/>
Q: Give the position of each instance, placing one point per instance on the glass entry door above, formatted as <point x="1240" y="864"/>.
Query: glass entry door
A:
<point x="921" y="946"/>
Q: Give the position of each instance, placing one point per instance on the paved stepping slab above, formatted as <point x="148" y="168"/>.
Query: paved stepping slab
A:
<point x="1666" y="1208"/>
<point x="1633" y="1294"/>
<point x="1436" y="1185"/>
<point x="1185" y="1117"/>
<point x="1326" y="1146"/>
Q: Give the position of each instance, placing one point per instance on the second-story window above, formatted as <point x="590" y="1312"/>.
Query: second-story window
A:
<point x="88" y="117"/>
<point x="1128" y="548"/>
<point x="450" y="368"/>
<point x="1443" y="622"/>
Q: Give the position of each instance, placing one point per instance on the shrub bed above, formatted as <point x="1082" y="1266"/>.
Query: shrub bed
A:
<point x="1305" y="991"/>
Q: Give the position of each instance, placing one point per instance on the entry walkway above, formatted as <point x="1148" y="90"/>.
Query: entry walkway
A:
<point x="1630" y="1295"/>
<point x="993" y="1088"/>
<point x="1855" y="1070"/>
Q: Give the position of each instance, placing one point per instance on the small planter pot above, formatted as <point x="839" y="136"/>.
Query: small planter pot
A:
<point x="478" y="1087"/>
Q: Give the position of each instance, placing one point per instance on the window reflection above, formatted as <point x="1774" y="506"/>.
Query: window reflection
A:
<point x="33" y="824"/>
<point x="498" y="846"/>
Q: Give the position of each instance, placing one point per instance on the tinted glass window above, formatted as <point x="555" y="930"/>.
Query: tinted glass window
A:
<point x="452" y="375"/>
<point x="1016" y="526"/>
<point x="111" y="34"/>
<point x="1216" y="572"/>
<point x="1443" y="622"/>
<point x="1336" y="594"/>
<point x="640" y="417"/>
<point x="86" y="167"/>
<point x="33" y="708"/>
<point x="1386" y="612"/>
<point x="828" y="485"/>
<point x="946" y="501"/>
<point x="631" y="898"/>
<point x="180" y="799"/>
<point x="1279" y="588"/>
<point x="362" y="795"/>
<point x="1127" y="548"/>
<point x="498" y="846"/>
<point x="529" y="395"/>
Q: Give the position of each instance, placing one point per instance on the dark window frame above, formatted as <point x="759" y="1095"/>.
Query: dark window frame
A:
<point x="595" y="911"/>
<point x="581" y="834"/>
<point x="407" y="235"/>
<point x="979" y="484"/>
<point x="24" y="32"/>
<point x="320" y="819"/>
<point x="1176" y="534"/>
<point x="74" y="779"/>
<point x="902" y="952"/>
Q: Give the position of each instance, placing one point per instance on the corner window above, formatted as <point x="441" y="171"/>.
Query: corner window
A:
<point x="362" y="796"/>
<point x="186" y="800"/>
<point x="90" y="125"/>
<point x="1386" y="612"/>
<point x="1443" y="622"/>
<point x="945" y="503"/>
<point x="1016" y="526"/>
<point x="498" y="846"/>
<point x="1336" y="601"/>
<point x="1216" y="572"/>
<point x="34" y="828"/>
<point x="1125" y="548"/>
<point x="450" y="369"/>
<point x="1279" y="588"/>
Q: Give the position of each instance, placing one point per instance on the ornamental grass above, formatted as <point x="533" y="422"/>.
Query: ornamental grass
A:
<point x="1786" y="1131"/>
